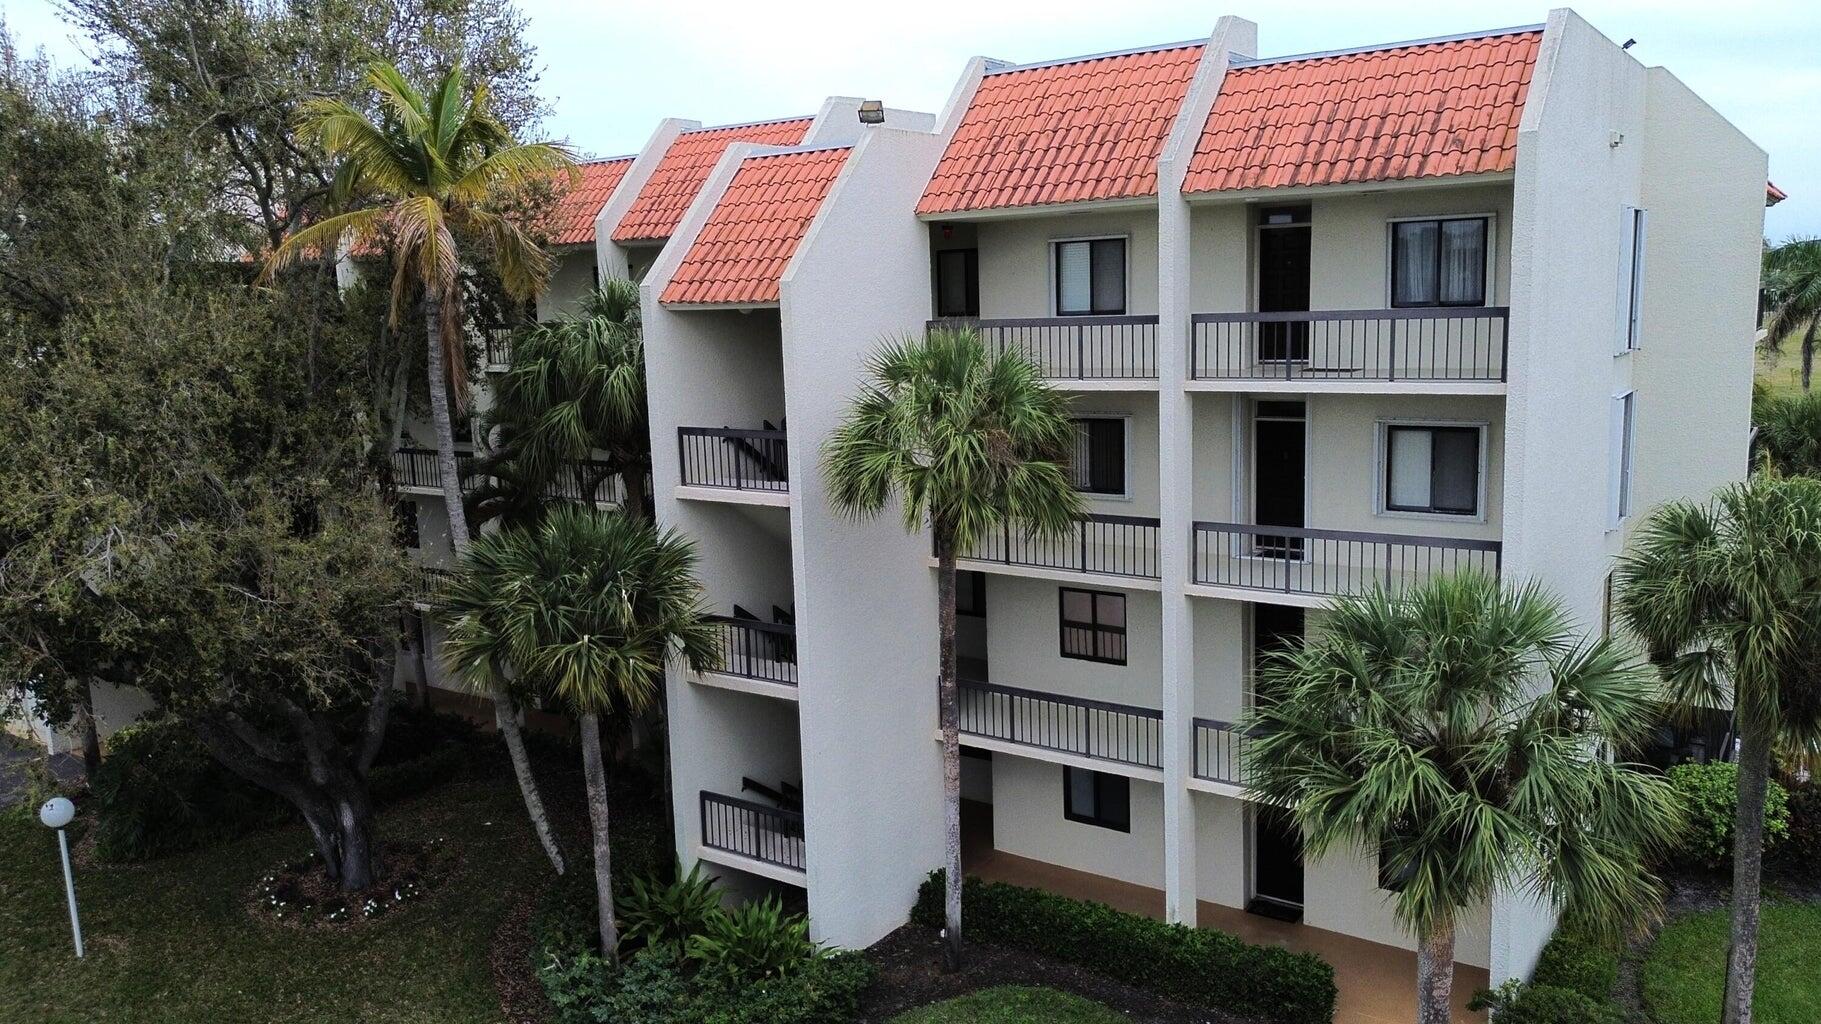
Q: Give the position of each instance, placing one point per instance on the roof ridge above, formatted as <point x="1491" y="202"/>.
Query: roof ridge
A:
<point x="747" y="124"/>
<point x="1459" y="37"/>
<point x="1059" y="61"/>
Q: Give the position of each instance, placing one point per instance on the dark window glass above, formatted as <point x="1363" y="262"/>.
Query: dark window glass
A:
<point x="958" y="283"/>
<point x="1439" y="262"/>
<point x="1098" y="465"/>
<point x="1096" y="798"/>
<point x="1432" y="469"/>
<point x="970" y="593"/>
<point x="1090" y="277"/>
<point x="1093" y="625"/>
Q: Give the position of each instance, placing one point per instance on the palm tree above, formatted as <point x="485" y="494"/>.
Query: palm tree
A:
<point x="1792" y="282"/>
<point x="1453" y="731"/>
<point x="1788" y="438"/>
<point x="585" y="607"/>
<point x="577" y="386"/>
<point x="426" y="167"/>
<point x="1726" y="595"/>
<point x="968" y="441"/>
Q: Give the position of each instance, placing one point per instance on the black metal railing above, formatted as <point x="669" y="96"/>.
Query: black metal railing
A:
<point x="752" y="830"/>
<point x="497" y="341"/>
<point x="746" y="460"/>
<point x="1069" y="725"/>
<point x="574" y="477"/>
<point x="757" y="650"/>
<point x="416" y="467"/>
<point x="1441" y="344"/>
<point x="1220" y="751"/>
<point x="1103" y="544"/>
<point x="428" y="584"/>
<point x="1074" y="347"/>
<point x="1329" y="563"/>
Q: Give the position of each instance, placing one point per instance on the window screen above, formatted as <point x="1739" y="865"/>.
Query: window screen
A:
<point x="1093" y="625"/>
<point x="1098" y="464"/>
<point x="1090" y="277"/>
<point x="1432" y="469"/>
<point x="1096" y="798"/>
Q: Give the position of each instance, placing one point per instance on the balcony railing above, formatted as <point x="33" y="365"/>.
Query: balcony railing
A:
<point x="1074" y="347"/>
<point x="427" y="586"/>
<point x="416" y="467"/>
<point x="1069" y="725"/>
<point x="745" y="460"/>
<point x="570" y="483"/>
<point x="1329" y="563"/>
<point x="757" y="650"/>
<point x="1446" y="344"/>
<point x="1220" y="749"/>
<point x="752" y="830"/>
<point x="1101" y="544"/>
<point x="497" y="341"/>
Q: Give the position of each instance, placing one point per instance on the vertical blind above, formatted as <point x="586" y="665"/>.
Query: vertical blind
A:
<point x="1090" y="277"/>
<point x="1438" y="262"/>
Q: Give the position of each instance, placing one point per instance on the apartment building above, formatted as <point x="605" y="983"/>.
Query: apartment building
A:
<point x="1329" y="321"/>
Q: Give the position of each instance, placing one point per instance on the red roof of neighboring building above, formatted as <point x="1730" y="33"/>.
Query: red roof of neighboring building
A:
<point x="572" y="222"/>
<point x="1422" y="110"/>
<point x="744" y="246"/>
<point x="686" y="165"/>
<point x="1059" y="133"/>
<point x="1772" y="194"/>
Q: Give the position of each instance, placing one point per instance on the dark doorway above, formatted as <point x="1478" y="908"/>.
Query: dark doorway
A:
<point x="1283" y="283"/>
<point x="957" y="283"/>
<point x="1274" y="628"/>
<point x="1277" y="865"/>
<point x="1278" y="490"/>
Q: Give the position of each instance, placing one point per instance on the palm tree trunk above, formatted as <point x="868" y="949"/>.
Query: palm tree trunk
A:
<point x="1747" y="872"/>
<point x="950" y="713"/>
<point x="86" y="728"/>
<point x="504" y="714"/>
<point x="595" y="772"/>
<point x="1435" y="975"/>
<point x="1808" y="351"/>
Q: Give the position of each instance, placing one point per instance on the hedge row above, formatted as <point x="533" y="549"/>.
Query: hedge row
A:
<point x="1191" y="965"/>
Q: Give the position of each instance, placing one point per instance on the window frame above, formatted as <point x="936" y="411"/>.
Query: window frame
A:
<point x="1097" y="816"/>
<point x="1125" y="485"/>
<point x="1634" y="232"/>
<point x="1096" y="628"/>
<point x="1382" y="506"/>
<point x="1622" y="458"/>
<point x="1488" y="260"/>
<point x="1125" y="280"/>
<point x="971" y="255"/>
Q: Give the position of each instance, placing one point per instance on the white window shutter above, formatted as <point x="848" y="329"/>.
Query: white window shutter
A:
<point x="1619" y="460"/>
<point x="1640" y="222"/>
<point x="1622" y="295"/>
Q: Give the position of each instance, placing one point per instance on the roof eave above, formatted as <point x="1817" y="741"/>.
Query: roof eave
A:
<point x="1043" y="209"/>
<point x="1348" y="188"/>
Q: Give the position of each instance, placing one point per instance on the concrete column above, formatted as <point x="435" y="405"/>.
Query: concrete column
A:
<point x="1176" y="462"/>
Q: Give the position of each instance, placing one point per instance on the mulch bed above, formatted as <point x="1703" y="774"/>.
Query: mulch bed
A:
<point x="910" y="975"/>
<point x="299" y="893"/>
<point x="522" y="999"/>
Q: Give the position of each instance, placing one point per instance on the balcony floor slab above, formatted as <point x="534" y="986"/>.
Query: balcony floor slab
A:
<point x="733" y="496"/>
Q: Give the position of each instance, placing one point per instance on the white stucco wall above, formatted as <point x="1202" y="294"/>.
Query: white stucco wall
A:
<point x="1028" y="821"/>
<point x="1017" y="261"/>
<point x="571" y="281"/>
<point x="1024" y="644"/>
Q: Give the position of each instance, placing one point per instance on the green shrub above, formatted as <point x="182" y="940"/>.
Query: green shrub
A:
<point x="825" y="990"/>
<point x="1802" y="847"/>
<point x="1517" y="1003"/>
<point x="1710" y="794"/>
<point x="651" y="988"/>
<point x="655" y="914"/>
<point x="1578" y="964"/>
<point x="1192" y="965"/>
<point x="752" y="943"/>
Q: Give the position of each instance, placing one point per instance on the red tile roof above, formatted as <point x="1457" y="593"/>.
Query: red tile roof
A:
<point x="1060" y="133"/>
<point x="1772" y="194"/>
<point x="1419" y="111"/>
<point x="686" y="165"/>
<point x="748" y="240"/>
<point x="572" y="222"/>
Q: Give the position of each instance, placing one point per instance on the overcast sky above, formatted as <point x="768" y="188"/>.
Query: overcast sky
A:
<point x="613" y="69"/>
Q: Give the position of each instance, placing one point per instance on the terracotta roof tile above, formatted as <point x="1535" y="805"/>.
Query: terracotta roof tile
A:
<point x="744" y="246"/>
<point x="1058" y="133"/>
<point x="572" y="221"/>
<point x="1772" y="194"/>
<point x="1419" y="111"/>
<point x="685" y="166"/>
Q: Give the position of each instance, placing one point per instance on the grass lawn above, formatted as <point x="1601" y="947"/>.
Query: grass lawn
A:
<point x="1013" y="1005"/>
<point x="171" y="942"/>
<point x="1782" y="374"/>
<point x="1686" y="969"/>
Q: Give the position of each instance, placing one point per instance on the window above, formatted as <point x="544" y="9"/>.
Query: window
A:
<point x="1628" y="334"/>
<point x="958" y="283"/>
<point x="1096" y="798"/>
<point x="1098" y="463"/>
<point x="1093" y="625"/>
<point x="1432" y="470"/>
<point x="1090" y="277"/>
<point x="404" y="524"/>
<point x="1439" y="262"/>
<point x="970" y="593"/>
<point x="1623" y="454"/>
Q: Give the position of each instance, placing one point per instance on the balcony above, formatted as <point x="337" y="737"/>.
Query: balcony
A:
<point x="1328" y="563"/>
<point x="769" y="836"/>
<point x="428" y="586"/>
<point x="1079" y="348"/>
<point x="1100" y="545"/>
<point x="415" y="469"/>
<point x="1359" y="349"/>
<point x="723" y="458"/>
<point x="570" y="484"/>
<point x="496" y="342"/>
<point x="765" y="652"/>
<point x="1220" y="749"/>
<point x="1098" y="730"/>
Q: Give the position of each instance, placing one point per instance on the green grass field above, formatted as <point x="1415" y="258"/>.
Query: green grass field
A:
<point x="1013" y="1005"/>
<point x="1782" y="374"/>
<point x="1686" y="969"/>
<point x="171" y="942"/>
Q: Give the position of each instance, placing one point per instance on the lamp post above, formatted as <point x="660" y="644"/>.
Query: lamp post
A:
<point x="56" y="813"/>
